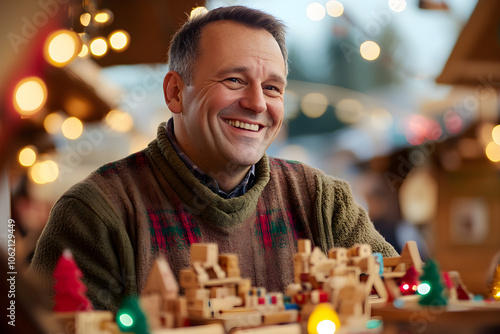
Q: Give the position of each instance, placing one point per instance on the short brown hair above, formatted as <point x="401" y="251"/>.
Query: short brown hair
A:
<point x="184" y="45"/>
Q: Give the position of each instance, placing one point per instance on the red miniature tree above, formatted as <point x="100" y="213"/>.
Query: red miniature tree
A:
<point x="409" y="282"/>
<point x="68" y="288"/>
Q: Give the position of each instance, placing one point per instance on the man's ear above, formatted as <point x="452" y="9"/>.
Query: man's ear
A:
<point x="172" y="89"/>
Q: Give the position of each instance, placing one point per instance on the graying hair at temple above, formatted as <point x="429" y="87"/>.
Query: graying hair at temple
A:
<point x="184" y="45"/>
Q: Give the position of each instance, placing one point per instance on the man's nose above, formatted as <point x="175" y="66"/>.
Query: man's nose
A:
<point x="254" y="99"/>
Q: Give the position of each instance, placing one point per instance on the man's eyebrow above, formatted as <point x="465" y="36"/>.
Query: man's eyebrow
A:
<point x="276" y="77"/>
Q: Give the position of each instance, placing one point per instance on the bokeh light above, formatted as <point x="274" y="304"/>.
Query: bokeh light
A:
<point x="30" y="96"/>
<point x="104" y="16"/>
<point x="119" y="40"/>
<point x="61" y="47"/>
<point x="397" y="5"/>
<point x="44" y="172"/>
<point x="314" y="105"/>
<point x="315" y="11"/>
<point x="119" y="121"/>
<point x="53" y="122"/>
<point x="424" y="288"/>
<point x="334" y="8"/>
<point x="349" y="111"/>
<point x="493" y="151"/>
<point x="72" y="128"/>
<point x="369" y="50"/>
<point x="98" y="47"/>
<point x="495" y="134"/>
<point x="381" y="119"/>
<point x="85" y="19"/>
<point x="27" y="156"/>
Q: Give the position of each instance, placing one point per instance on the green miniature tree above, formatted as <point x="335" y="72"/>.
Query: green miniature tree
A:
<point x="431" y="288"/>
<point x="495" y="284"/>
<point x="130" y="317"/>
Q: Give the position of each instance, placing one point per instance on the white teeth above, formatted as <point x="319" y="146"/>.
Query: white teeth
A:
<point x="243" y="125"/>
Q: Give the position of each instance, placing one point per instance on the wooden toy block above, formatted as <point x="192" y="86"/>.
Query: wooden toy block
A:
<point x="280" y="317"/>
<point x="304" y="246"/>
<point x="229" y="261"/>
<point x="151" y="306"/>
<point x="161" y="280"/>
<point x="240" y="318"/>
<point x="95" y="322"/>
<point x="189" y="278"/>
<point x="360" y="250"/>
<point x="197" y="294"/>
<point x="223" y="304"/>
<point x="317" y="256"/>
<point x="410" y="256"/>
<point x="339" y="254"/>
<point x="207" y="254"/>
<point x="276" y="329"/>
<point x="202" y="329"/>
<point x="243" y="287"/>
<point x="219" y="292"/>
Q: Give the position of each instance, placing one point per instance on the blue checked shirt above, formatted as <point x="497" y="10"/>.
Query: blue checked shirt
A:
<point x="207" y="180"/>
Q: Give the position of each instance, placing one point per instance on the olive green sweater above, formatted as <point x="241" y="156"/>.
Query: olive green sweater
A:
<point x="125" y="213"/>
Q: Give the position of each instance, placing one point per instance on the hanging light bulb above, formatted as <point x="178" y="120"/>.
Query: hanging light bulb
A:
<point x="61" y="47"/>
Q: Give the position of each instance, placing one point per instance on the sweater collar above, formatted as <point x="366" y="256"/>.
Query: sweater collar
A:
<point x="196" y="196"/>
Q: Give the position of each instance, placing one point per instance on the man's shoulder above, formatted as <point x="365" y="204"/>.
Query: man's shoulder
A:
<point x="133" y="162"/>
<point x="284" y="165"/>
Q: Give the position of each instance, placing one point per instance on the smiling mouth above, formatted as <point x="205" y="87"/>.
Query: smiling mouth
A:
<point x="243" y="125"/>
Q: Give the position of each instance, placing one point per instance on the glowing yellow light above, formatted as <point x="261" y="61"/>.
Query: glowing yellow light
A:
<point x="493" y="151"/>
<point x="52" y="123"/>
<point x="197" y="11"/>
<point x="72" y="128"/>
<point x="84" y="52"/>
<point x="85" y="19"/>
<point x="495" y="134"/>
<point x="104" y="16"/>
<point x="61" y="47"/>
<point x="323" y="320"/>
<point x="27" y="156"/>
<point x="98" y="47"/>
<point x="119" y="40"/>
<point x="349" y="111"/>
<point x="334" y="8"/>
<point x="314" y="105"/>
<point x="381" y="119"/>
<point x="369" y="50"/>
<point x="44" y="172"/>
<point x="315" y="11"/>
<point x="30" y="95"/>
<point x="397" y="5"/>
<point x="119" y="121"/>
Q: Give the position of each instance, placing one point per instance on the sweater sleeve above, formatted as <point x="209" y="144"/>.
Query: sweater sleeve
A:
<point x="341" y="221"/>
<point x="83" y="222"/>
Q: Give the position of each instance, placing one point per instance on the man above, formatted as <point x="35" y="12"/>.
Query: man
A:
<point x="206" y="178"/>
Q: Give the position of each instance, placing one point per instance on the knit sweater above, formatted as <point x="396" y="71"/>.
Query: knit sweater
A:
<point x="124" y="214"/>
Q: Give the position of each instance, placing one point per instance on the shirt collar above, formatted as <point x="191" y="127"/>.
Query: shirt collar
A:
<point x="204" y="178"/>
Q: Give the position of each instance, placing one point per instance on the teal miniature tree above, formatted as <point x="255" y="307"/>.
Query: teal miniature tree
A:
<point x="431" y="288"/>
<point x="69" y="291"/>
<point x="130" y="317"/>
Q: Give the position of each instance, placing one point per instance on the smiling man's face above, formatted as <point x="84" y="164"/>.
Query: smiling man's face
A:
<point x="233" y="109"/>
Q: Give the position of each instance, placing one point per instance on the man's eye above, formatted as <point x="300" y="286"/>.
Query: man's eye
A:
<point x="236" y="80"/>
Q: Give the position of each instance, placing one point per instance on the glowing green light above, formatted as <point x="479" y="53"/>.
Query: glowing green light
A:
<point x="325" y="327"/>
<point x="373" y="323"/>
<point x="126" y="320"/>
<point x="424" y="288"/>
